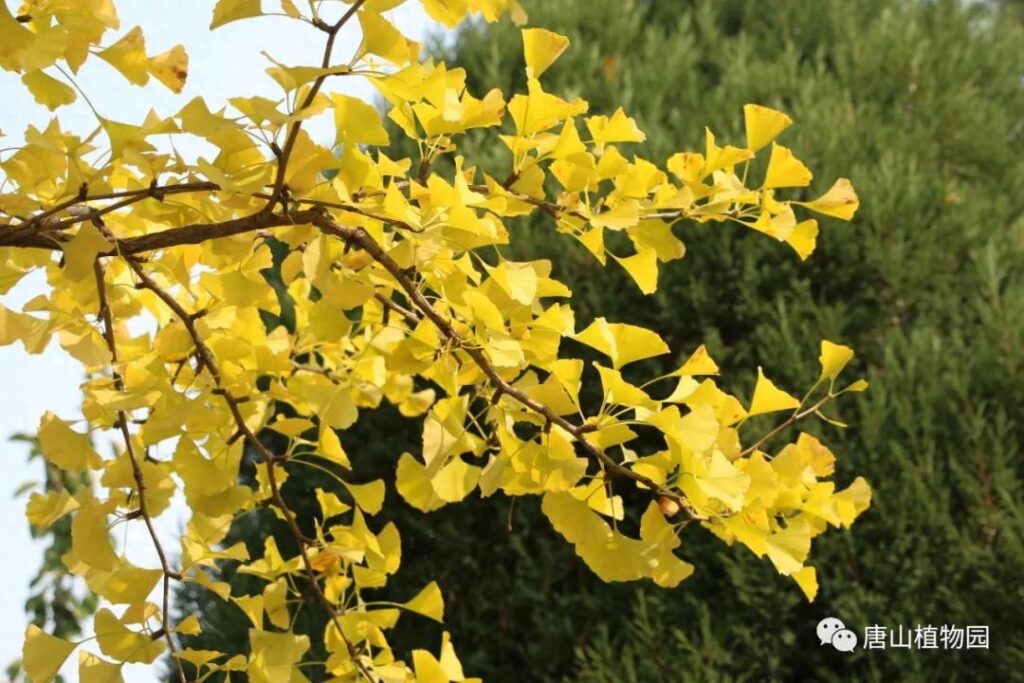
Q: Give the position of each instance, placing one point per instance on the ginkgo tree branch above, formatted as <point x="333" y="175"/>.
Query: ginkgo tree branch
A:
<point x="293" y="130"/>
<point x="318" y="216"/>
<point x="200" y="232"/>
<point x="83" y="197"/>
<point x="194" y="233"/>
<point x="792" y="419"/>
<point x="350" y="208"/>
<point x="209" y="362"/>
<point x="412" y="317"/>
<point x="122" y="424"/>
<point x="367" y="243"/>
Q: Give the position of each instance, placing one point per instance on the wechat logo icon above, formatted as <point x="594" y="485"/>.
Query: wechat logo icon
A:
<point x="832" y="631"/>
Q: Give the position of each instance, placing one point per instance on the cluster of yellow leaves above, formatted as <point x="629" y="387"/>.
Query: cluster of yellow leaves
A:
<point x="414" y="312"/>
<point x="48" y="31"/>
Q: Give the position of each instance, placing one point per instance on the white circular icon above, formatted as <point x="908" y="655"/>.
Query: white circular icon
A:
<point x="844" y="640"/>
<point x="832" y="631"/>
<point x="827" y="628"/>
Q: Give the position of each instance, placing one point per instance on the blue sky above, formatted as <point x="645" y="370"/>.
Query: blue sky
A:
<point x="224" y="63"/>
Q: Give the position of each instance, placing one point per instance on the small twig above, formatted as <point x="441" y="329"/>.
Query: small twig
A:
<point x="276" y="195"/>
<point x="268" y="458"/>
<point x="140" y="486"/>
<point x="792" y="419"/>
<point x="412" y="317"/>
<point x="84" y="196"/>
<point x="366" y="241"/>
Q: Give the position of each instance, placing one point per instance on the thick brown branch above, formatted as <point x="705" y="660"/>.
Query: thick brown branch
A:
<point x="195" y="233"/>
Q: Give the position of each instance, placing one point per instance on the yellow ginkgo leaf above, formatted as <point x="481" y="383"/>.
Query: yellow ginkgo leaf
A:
<point x="785" y="170"/>
<point x="807" y="579"/>
<point x="428" y="602"/>
<point x="643" y="268"/>
<point x="718" y="158"/>
<point x="128" y="56"/>
<point x="13" y="36"/>
<point x="859" y="385"/>
<point x="768" y="398"/>
<point x="449" y="661"/>
<point x="44" y="510"/>
<point x="427" y="668"/>
<point x="90" y="539"/>
<point x="333" y="403"/>
<point x="275" y="594"/>
<point x="291" y="77"/>
<point x="618" y="128"/>
<point x="518" y="280"/>
<point x="612" y="555"/>
<point x="698" y="429"/>
<point x="541" y="48"/>
<point x="93" y="669"/>
<point x="787" y="548"/>
<point x="252" y="606"/>
<point x="42" y="655"/>
<point x="330" y="504"/>
<point x="684" y="388"/>
<point x="699" y="363"/>
<point x="618" y="391"/>
<point x="853" y="500"/>
<point x="595" y="495"/>
<point x="291" y="427"/>
<point x="666" y="570"/>
<point x="330" y="447"/>
<point x="189" y="626"/>
<point x="80" y="252"/>
<point x="455" y="481"/>
<point x="33" y="332"/>
<point x="622" y="343"/>
<point x="624" y="214"/>
<point x="839" y="202"/>
<point x="48" y="91"/>
<point x="763" y="125"/>
<point x="357" y="122"/>
<point x="369" y="497"/>
<point x="171" y="68"/>
<point x="227" y="11"/>
<point x="803" y="238"/>
<point x="447" y="12"/>
<point x="275" y="656"/>
<point x="414" y="486"/>
<point x="381" y="38"/>
<point x="833" y="359"/>
<point x="658" y="235"/>
<point x="379" y="6"/>
<point x="724" y="481"/>
<point x="126" y="584"/>
<point x="121" y="643"/>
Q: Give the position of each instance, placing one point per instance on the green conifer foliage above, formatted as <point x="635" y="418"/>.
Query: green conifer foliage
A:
<point x="923" y="102"/>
